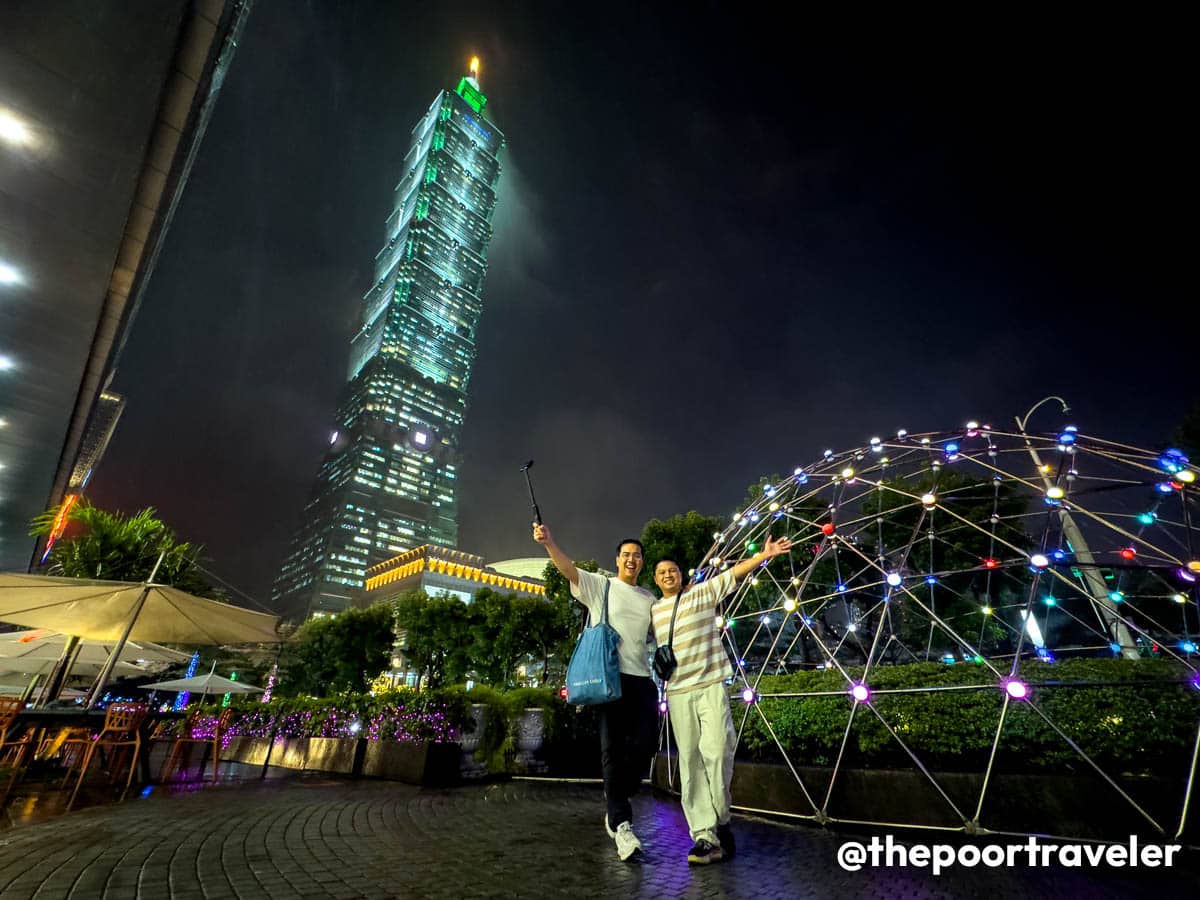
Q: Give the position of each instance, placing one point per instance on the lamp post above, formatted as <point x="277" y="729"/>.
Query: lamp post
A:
<point x="1096" y="588"/>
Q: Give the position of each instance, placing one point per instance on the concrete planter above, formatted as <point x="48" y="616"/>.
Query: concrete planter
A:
<point x="528" y="735"/>
<point x="1065" y="805"/>
<point x="471" y="769"/>
<point x="425" y="764"/>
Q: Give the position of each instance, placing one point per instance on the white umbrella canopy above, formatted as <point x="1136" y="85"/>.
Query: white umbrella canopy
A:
<point x="39" y="644"/>
<point x="204" y="684"/>
<point x="102" y="610"/>
<point x="42" y="666"/>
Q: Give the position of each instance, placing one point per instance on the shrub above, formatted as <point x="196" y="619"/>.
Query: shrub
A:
<point x="1135" y="716"/>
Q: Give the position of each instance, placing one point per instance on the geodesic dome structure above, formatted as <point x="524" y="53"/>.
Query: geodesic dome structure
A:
<point x="979" y="601"/>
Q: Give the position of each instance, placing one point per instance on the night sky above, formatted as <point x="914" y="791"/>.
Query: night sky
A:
<point x="724" y="242"/>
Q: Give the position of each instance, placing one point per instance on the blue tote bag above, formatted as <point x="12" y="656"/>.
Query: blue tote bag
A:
<point x="594" y="673"/>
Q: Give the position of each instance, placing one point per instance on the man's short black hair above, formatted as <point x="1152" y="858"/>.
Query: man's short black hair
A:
<point x="670" y="559"/>
<point x="624" y="541"/>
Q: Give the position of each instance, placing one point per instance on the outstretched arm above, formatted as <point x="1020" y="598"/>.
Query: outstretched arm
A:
<point x="772" y="548"/>
<point x="561" y="561"/>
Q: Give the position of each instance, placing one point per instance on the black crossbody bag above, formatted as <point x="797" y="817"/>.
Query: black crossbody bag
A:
<point x="664" y="656"/>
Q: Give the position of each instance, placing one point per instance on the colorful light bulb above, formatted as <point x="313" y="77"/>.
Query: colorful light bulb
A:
<point x="860" y="692"/>
<point x="894" y="579"/>
<point x="929" y="499"/>
<point x="1015" y="689"/>
<point x="1039" y="560"/>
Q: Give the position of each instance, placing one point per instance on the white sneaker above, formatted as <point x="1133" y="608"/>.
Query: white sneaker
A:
<point x="627" y="842"/>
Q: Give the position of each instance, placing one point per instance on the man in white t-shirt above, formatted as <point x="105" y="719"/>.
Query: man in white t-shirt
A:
<point x="629" y="725"/>
<point x="697" y="699"/>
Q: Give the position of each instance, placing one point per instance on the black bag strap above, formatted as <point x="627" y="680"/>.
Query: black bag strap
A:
<point x="674" y="611"/>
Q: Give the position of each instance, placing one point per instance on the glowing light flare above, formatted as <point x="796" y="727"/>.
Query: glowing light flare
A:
<point x="860" y="692"/>
<point x="929" y="499"/>
<point x="13" y="130"/>
<point x="827" y="528"/>
<point x="748" y="696"/>
<point x="990" y="563"/>
<point x="1128" y="552"/>
<point x="895" y="579"/>
<point x="1179" y="598"/>
<point x="9" y="274"/>
<point x="1039" y="561"/>
<point x="790" y="604"/>
<point x="474" y="67"/>
<point x="1015" y="689"/>
<point x="1187" y="476"/>
<point x="1194" y="565"/>
<point x="60" y="523"/>
<point x="1055" y="493"/>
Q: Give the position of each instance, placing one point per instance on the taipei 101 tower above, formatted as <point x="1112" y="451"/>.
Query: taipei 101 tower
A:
<point x="388" y="482"/>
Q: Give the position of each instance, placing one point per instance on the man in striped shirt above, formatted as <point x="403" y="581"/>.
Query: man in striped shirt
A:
<point x="698" y="700"/>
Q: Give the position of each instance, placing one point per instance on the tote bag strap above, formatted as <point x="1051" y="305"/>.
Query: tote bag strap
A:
<point x="604" y="611"/>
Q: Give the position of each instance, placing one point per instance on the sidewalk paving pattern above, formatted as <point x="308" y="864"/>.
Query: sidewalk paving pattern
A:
<point x="305" y="837"/>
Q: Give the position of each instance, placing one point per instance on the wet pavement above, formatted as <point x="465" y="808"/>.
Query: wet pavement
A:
<point x="304" y="836"/>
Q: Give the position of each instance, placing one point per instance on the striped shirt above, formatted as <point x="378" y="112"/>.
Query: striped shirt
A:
<point x="701" y="656"/>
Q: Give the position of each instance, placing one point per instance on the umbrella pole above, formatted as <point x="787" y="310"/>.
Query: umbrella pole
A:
<point x="111" y="662"/>
<point x="58" y="675"/>
<point x="33" y="683"/>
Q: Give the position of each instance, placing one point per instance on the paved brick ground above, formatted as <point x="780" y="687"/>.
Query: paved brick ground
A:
<point x="319" y="838"/>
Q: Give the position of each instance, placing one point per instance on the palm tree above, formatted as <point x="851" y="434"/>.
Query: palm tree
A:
<point x="116" y="547"/>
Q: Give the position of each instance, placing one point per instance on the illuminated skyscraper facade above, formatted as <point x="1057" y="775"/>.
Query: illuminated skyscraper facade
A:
<point x="388" y="483"/>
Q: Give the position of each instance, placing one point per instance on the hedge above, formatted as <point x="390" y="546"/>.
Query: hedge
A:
<point x="1131" y="716"/>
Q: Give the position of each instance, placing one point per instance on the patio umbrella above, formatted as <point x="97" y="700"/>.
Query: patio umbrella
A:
<point x="36" y="653"/>
<point x="40" y="644"/>
<point x="204" y="685"/>
<point x="105" y="610"/>
<point x="108" y="610"/>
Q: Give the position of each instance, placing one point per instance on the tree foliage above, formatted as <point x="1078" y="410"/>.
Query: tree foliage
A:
<point x="685" y="538"/>
<point x="112" y="546"/>
<point x="342" y="653"/>
<point x="436" y="636"/>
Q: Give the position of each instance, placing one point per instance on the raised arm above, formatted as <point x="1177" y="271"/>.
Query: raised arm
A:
<point x="561" y="561"/>
<point x="772" y="548"/>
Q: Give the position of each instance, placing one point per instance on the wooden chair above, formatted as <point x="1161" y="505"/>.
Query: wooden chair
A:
<point x="13" y="749"/>
<point x="188" y="735"/>
<point x="121" y="731"/>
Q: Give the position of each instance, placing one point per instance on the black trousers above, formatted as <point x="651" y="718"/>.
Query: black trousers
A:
<point x="628" y="741"/>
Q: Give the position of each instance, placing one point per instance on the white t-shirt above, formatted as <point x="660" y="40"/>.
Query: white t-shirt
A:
<point x="628" y="613"/>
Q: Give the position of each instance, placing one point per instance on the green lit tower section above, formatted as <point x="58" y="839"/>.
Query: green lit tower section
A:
<point x="389" y="480"/>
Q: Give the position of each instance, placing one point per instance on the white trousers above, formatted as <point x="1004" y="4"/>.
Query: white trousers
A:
<point x="706" y="741"/>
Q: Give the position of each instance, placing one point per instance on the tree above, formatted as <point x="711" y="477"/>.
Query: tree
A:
<point x="1187" y="435"/>
<point x="436" y="635"/>
<point x="686" y="538"/>
<point x="342" y="653"/>
<point x="115" y="547"/>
